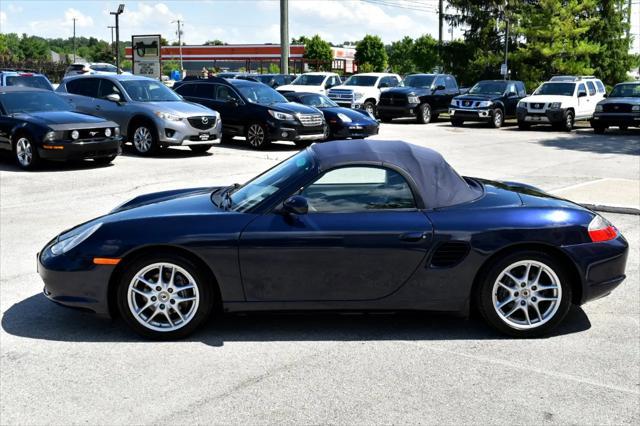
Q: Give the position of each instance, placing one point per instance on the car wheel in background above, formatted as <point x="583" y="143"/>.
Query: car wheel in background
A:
<point x="424" y="114"/>
<point x="567" y="124"/>
<point x="103" y="161"/>
<point x="200" y="149"/>
<point x="164" y="296"/>
<point x="257" y="136"/>
<point x="144" y="138"/>
<point x="26" y="153"/>
<point x="370" y="108"/>
<point x="498" y="118"/>
<point x="456" y="122"/>
<point x="524" y="294"/>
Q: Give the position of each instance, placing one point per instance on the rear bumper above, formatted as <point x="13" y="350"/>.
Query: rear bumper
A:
<point x="62" y="151"/>
<point x="397" y="111"/>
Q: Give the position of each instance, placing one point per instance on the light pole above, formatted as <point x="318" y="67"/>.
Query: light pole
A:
<point x="506" y="40"/>
<point x="74" y="40"/>
<point x="112" y="27"/>
<point x="284" y="36"/>
<point x="117" y="13"/>
<point x="180" y="23"/>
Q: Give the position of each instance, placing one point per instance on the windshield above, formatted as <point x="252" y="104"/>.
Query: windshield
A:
<point x="488" y="88"/>
<point x="631" y="90"/>
<point x="418" y="80"/>
<point x="36" y="81"/>
<point x="16" y="102"/>
<point x="562" y="89"/>
<point x="148" y="91"/>
<point x="270" y="182"/>
<point x="309" y="80"/>
<point x="104" y="68"/>
<point x="361" y="80"/>
<point x="318" y="101"/>
<point x="260" y="94"/>
<point x="266" y="79"/>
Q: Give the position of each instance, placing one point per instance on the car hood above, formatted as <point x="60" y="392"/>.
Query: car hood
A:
<point x="49" y="118"/>
<point x="300" y="88"/>
<point x="543" y="99"/>
<point x="632" y="101"/>
<point x="408" y="90"/>
<point x="181" y="108"/>
<point x="477" y="97"/>
<point x="357" y="116"/>
<point x="178" y="201"/>
<point x="293" y="108"/>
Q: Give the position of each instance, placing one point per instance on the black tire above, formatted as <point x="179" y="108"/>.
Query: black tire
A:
<point x="423" y="114"/>
<point x="497" y="118"/>
<point x="369" y="107"/>
<point x="200" y="149"/>
<point x="256" y="135"/>
<point x="457" y="122"/>
<point x="598" y="130"/>
<point x="25" y="152"/>
<point x="103" y="161"/>
<point x="568" y="122"/>
<point x="484" y="296"/>
<point x="386" y="119"/>
<point x="144" y="138"/>
<point x="523" y="126"/>
<point x="204" y="289"/>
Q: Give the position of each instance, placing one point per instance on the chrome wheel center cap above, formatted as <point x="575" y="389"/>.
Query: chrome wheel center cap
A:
<point x="163" y="296"/>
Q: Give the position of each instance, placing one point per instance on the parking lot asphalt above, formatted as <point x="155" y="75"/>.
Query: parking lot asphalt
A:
<point x="67" y="367"/>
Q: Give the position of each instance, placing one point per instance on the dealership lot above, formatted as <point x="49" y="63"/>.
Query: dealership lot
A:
<point x="65" y="366"/>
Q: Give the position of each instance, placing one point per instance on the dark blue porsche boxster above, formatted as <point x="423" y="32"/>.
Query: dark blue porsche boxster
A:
<point x="357" y="225"/>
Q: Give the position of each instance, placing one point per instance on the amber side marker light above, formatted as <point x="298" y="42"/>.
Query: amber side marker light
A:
<point x="53" y="146"/>
<point x="105" y="261"/>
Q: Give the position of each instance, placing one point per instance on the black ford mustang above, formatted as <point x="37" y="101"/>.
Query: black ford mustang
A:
<point x="365" y="225"/>
<point x="38" y="125"/>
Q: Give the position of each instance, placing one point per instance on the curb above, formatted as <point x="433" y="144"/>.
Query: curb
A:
<point x="613" y="209"/>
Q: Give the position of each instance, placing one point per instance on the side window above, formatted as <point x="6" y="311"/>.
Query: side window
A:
<point x="592" y="88"/>
<point x="439" y="82"/>
<point x="188" y="89"/>
<point x="108" y="88"/>
<point x="204" y="90"/>
<point x="601" y="88"/>
<point x="225" y="93"/>
<point x="581" y="89"/>
<point x="522" y="91"/>
<point x="450" y="83"/>
<point x="511" y="88"/>
<point x="393" y="82"/>
<point x="84" y="87"/>
<point x="359" y="189"/>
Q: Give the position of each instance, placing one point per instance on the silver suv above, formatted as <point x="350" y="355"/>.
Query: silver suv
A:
<point x="150" y="115"/>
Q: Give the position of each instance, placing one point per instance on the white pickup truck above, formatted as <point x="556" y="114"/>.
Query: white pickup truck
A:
<point x="314" y="82"/>
<point x="362" y="91"/>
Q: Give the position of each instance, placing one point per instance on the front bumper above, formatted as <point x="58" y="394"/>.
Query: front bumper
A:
<point x="182" y="133"/>
<point x="616" y="119"/>
<point x="291" y="131"/>
<point x="395" y="111"/>
<point x="79" y="150"/>
<point x="541" y="117"/>
<point x="471" y="114"/>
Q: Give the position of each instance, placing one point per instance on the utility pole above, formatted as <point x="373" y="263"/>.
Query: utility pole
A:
<point x="440" y="23"/>
<point x="506" y="40"/>
<point x="74" y="40"/>
<point x="112" y="27"/>
<point x="117" y="14"/>
<point x="180" y="23"/>
<point x="284" y="36"/>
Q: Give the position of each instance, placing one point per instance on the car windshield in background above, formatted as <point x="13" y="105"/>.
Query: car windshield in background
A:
<point x="489" y="88"/>
<point x="309" y="80"/>
<point x="631" y="90"/>
<point x="318" y="101"/>
<point x="361" y="80"/>
<point x="270" y="182"/>
<point x="17" y="102"/>
<point x="266" y="79"/>
<point x="418" y="81"/>
<point x="35" y="81"/>
<point x="104" y="68"/>
<point x="561" y="89"/>
<point x="261" y="94"/>
<point x="148" y="91"/>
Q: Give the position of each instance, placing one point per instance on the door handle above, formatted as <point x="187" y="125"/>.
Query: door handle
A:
<point x="413" y="236"/>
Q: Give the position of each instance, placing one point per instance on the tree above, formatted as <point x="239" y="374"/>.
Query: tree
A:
<point x="400" y="55"/>
<point x="300" y="40"/>
<point x="35" y="48"/>
<point x="273" y="68"/>
<point x="316" y="49"/>
<point x="425" y="53"/>
<point x="168" y="66"/>
<point x="370" y="50"/>
<point x="215" y="42"/>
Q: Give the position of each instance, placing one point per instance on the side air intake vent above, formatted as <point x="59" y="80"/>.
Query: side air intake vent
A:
<point x="449" y="254"/>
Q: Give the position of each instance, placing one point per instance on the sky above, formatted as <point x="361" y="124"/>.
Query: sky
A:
<point x="234" y="21"/>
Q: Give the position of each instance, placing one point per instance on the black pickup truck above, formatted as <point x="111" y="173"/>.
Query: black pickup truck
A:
<point x="423" y="96"/>
<point x="491" y="101"/>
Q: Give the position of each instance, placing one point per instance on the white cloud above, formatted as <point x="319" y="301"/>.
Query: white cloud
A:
<point x="3" y="18"/>
<point x="14" y="8"/>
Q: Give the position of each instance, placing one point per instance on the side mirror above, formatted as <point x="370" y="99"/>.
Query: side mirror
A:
<point x="232" y="102"/>
<point x="383" y="85"/>
<point x="512" y="94"/>
<point x="296" y="204"/>
<point x="113" y="97"/>
<point x="582" y="94"/>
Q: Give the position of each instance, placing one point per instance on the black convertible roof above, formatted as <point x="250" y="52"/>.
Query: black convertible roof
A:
<point x="438" y="183"/>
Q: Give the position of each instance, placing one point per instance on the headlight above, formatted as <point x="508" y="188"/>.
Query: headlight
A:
<point x="357" y="95"/>
<point x="280" y="115"/>
<point x="453" y="103"/>
<point x="598" y="108"/>
<point x="635" y="108"/>
<point x="107" y="132"/>
<point x="74" y="239"/>
<point x="555" y="105"/>
<point x="521" y="104"/>
<point x="75" y="135"/>
<point x="167" y="116"/>
<point x="485" y="104"/>
<point x="413" y="99"/>
<point x="345" y="118"/>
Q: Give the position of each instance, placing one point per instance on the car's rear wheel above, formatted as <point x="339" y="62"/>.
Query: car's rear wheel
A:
<point x="145" y="139"/>
<point x="200" y="149"/>
<point x="26" y="153"/>
<point x="424" y="114"/>
<point x="497" y="119"/>
<point x="525" y="294"/>
<point x="257" y="136"/>
<point x="164" y="297"/>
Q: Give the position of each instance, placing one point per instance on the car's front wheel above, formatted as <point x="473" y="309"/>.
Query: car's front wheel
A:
<point x="524" y="294"/>
<point x="26" y="153"/>
<point x="164" y="297"/>
<point x="497" y="119"/>
<point x="145" y="139"/>
<point x="424" y="114"/>
<point x="257" y="136"/>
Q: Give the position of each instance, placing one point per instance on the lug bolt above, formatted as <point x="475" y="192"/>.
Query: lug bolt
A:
<point x="522" y="303"/>
<point x="172" y="301"/>
<point x="523" y="285"/>
<point x="534" y="288"/>
<point x="170" y="290"/>
<point x="516" y="294"/>
<point x="158" y="288"/>
<point x="533" y="299"/>
<point x="162" y="306"/>
<point x="153" y="298"/>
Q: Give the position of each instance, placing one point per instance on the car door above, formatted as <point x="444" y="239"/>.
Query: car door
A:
<point x="83" y="91"/>
<point x="362" y="239"/>
<point x="439" y="96"/>
<point x="119" y="112"/>
<point x="584" y="102"/>
<point x="511" y="99"/>
<point x="232" y="109"/>
<point x="6" y="125"/>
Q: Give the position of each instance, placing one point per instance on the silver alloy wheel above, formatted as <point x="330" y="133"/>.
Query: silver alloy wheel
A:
<point x="569" y="122"/>
<point x="497" y="118"/>
<point x="163" y="297"/>
<point x="426" y="114"/>
<point x="526" y="294"/>
<point x="24" y="152"/>
<point x="142" y="139"/>
<point x="255" y="135"/>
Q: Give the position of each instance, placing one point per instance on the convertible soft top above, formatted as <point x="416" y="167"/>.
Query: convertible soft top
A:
<point x="438" y="183"/>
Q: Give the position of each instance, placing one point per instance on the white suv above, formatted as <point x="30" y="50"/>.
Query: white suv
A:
<point x="362" y="91"/>
<point x="560" y="102"/>
<point x="315" y="82"/>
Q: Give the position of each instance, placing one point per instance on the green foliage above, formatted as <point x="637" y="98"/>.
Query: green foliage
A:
<point x="215" y="42"/>
<point x="273" y="68"/>
<point x="316" y="49"/>
<point x="400" y="56"/>
<point x="425" y="53"/>
<point x="168" y="66"/>
<point x="365" y="67"/>
<point x="370" y="51"/>
<point x="300" y="40"/>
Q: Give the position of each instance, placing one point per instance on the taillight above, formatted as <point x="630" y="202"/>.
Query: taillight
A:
<point x="601" y="230"/>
